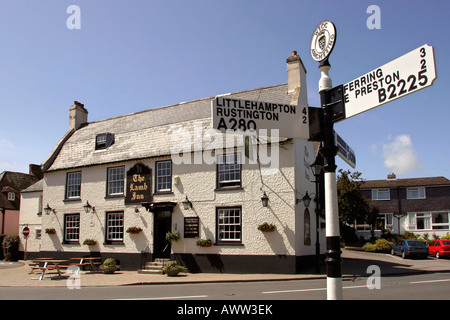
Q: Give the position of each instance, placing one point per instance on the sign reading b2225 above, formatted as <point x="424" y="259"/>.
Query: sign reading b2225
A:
<point x="409" y="73"/>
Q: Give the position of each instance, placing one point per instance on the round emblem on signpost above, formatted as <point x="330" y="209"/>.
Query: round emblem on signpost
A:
<point x="323" y="40"/>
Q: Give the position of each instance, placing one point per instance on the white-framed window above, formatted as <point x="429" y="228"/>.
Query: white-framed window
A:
<point x="229" y="170"/>
<point x="116" y="177"/>
<point x="415" y="193"/>
<point x="429" y="221"/>
<point x="73" y="185"/>
<point x="72" y="227"/>
<point x="11" y="196"/>
<point x="229" y="225"/>
<point x="104" y="141"/>
<point x="381" y="194"/>
<point x="164" y="176"/>
<point x="114" y="226"/>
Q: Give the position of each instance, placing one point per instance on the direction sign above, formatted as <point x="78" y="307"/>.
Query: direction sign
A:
<point x="409" y="73"/>
<point x="229" y="114"/>
<point x="344" y="151"/>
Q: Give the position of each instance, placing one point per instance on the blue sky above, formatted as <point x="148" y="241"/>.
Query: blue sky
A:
<point x="135" y="55"/>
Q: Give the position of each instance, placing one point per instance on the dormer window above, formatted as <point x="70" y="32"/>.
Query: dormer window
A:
<point x="11" y="196"/>
<point x="104" y="141"/>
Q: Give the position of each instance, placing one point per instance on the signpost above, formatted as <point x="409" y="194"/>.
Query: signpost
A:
<point x="230" y="114"/>
<point x="26" y="233"/>
<point x="411" y="72"/>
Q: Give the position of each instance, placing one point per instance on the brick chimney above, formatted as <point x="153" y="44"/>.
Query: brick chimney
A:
<point x="78" y="115"/>
<point x="296" y="73"/>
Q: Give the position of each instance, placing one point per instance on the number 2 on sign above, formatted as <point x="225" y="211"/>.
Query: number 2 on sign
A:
<point x="411" y="80"/>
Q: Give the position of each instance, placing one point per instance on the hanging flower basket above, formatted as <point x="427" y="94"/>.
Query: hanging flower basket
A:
<point x="134" y="230"/>
<point x="265" y="227"/>
<point x="204" y="243"/>
<point x="50" y="231"/>
<point x="172" y="236"/>
<point x="90" y="242"/>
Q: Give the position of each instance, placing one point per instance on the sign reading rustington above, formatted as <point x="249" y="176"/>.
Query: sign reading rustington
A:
<point x="229" y="114"/>
<point x="323" y="40"/>
<point x="344" y="151"/>
<point x="409" y="73"/>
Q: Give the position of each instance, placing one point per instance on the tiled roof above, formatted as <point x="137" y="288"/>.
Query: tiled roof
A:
<point x="148" y="133"/>
<point x="412" y="182"/>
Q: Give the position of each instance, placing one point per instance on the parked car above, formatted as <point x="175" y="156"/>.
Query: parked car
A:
<point x="439" y="248"/>
<point x="410" y="248"/>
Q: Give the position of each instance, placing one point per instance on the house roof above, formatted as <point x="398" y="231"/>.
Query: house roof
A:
<point x="38" y="186"/>
<point x="13" y="182"/>
<point x="412" y="182"/>
<point x="148" y="133"/>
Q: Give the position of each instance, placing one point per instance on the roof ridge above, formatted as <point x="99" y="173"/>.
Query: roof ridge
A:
<point x="186" y="102"/>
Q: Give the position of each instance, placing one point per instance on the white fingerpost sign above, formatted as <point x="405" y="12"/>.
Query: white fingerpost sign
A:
<point x="409" y="73"/>
<point x="229" y="114"/>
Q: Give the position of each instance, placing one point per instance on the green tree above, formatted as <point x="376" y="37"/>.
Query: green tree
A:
<point x="352" y="204"/>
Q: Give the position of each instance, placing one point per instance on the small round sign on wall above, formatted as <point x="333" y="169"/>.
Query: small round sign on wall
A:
<point x="323" y="40"/>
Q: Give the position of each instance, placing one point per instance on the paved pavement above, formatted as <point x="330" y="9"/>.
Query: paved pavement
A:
<point x="355" y="263"/>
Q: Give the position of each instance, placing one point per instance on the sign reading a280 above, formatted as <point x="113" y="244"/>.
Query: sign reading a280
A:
<point x="409" y="73"/>
<point x="229" y="114"/>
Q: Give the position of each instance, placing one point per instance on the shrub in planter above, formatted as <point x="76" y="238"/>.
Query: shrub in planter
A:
<point x="109" y="266"/>
<point x="173" y="268"/>
<point x="11" y="247"/>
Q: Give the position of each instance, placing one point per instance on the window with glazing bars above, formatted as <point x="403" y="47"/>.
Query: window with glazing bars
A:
<point x="229" y="225"/>
<point x="72" y="227"/>
<point x="164" y="176"/>
<point x="114" y="226"/>
<point x="73" y="188"/>
<point x="116" y="178"/>
<point x="229" y="170"/>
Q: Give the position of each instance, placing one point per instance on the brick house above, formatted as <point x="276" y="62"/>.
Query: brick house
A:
<point x="418" y="205"/>
<point x="11" y="184"/>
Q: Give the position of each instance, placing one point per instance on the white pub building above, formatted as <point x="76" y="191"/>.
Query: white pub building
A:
<point x="124" y="183"/>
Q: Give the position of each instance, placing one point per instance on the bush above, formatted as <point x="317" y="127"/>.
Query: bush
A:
<point x="2" y="236"/>
<point x="11" y="247"/>
<point x="381" y="245"/>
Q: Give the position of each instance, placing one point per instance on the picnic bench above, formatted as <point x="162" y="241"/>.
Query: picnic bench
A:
<point x="92" y="262"/>
<point x="49" y="264"/>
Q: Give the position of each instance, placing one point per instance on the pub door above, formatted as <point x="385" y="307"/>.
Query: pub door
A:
<point x="162" y="225"/>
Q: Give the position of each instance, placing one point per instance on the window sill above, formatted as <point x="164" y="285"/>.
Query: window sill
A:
<point x="162" y="193"/>
<point x="231" y="244"/>
<point x="72" y="200"/>
<point x="113" y="243"/>
<point x="115" y="196"/>
<point x="229" y="189"/>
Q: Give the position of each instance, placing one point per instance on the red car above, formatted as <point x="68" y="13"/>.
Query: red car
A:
<point x="439" y="248"/>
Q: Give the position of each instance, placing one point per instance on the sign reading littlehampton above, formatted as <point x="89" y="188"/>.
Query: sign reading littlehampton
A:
<point x="409" y="73"/>
<point x="248" y="115"/>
